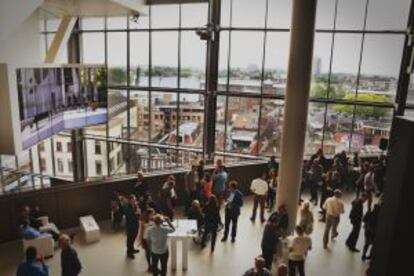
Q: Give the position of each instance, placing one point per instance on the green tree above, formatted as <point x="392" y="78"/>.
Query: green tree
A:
<point x="365" y="111"/>
<point x="319" y="90"/>
<point x="117" y="75"/>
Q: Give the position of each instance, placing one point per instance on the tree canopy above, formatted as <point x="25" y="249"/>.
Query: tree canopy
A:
<point x="365" y="111"/>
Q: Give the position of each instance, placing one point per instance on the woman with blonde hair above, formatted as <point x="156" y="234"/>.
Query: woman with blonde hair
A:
<point x="306" y="219"/>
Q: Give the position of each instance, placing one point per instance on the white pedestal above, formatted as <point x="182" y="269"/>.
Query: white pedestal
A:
<point x="91" y="228"/>
<point x="185" y="231"/>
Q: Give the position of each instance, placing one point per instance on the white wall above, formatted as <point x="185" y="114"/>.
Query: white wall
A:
<point x="19" y="46"/>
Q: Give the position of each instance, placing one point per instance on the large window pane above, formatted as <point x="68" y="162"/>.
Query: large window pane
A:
<point x="246" y="61"/>
<point x="117" y="158"/>
<point x="46" y="161"/>
<point x="138" y="159"/>
<point x="92" y="23"/>
<point x="350" y="14"/>
<point x="380" y="65"/>
<point x="371" y="125"/>
<point x="117" y="58"/>
<point x="345" y="63"/>
<point x="242" y="124"/>
<point x="320" y="67"/>
<point x="63" y="157"/>
<point x="96" y="155"/>
<point x="314" y="128"/>
<point x="164" y="118"/>
<point x="193" y="61"/>
<point x="52" y="24"/>
<point x="164" y="69"/>
<point x="191" y="118"/>
<point x="62" y="56"/>
<point x="116" y="23"/>
<point x="93" y="48"/>
<point x="139" y="115"/>
<point x="194" y="15"/>
<point x="223" y="61"/>
<point x="388" y="15"/>
<point x="271" y="124"/>
<point x="220" y="138"/>
<point x="247" y="13"/>
<point x="337" y="130"/>
<point x="325" y="13"/>
<point x="118" y="114"/>
<point x="225" y="12"/>
<point x="277" y="53"/>
<point x="139" y="58"/>
<point x="142" y="22"/>
<point x="164" y="16"/>
<point x="279" y="13"/>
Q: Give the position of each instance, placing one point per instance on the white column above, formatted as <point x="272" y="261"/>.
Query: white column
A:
<point x="61" y="38"/>
<point x="296" y="105"/>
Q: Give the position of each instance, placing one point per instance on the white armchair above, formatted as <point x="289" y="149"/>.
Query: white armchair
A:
<point x="45" y="245"/>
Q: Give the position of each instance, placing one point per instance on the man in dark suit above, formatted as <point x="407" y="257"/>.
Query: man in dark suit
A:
<point x="132" y="225"/>
<point x="70" y="263"/>
<point x="356" y="214"/>
<point x="232" y="211"/>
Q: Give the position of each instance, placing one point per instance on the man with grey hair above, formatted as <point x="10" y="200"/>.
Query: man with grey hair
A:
<point x="259" y="268"/>
<point x="69" y="260"/>
<point x="334" y="207"/>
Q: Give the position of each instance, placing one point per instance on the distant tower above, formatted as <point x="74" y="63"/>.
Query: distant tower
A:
<point x="316" y="66"/>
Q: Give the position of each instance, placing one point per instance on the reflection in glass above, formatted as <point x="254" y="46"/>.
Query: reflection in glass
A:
<point x="380" y="65"/>
<point x="164" y="69"/>
<point x="245" y="69"/>
<point x="117" y="58"/>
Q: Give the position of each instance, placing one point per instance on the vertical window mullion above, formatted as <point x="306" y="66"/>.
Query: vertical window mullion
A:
<point x="329" y="73"/>
<point x="258" y="141"/>
<point x="358" y="75"/>
<point x="178" y="81"/>
<point x="149" y="85"/>
<point x="226" y="107"/>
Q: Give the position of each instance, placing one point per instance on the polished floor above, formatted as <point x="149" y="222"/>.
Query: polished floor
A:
<point x="107" y="257"/>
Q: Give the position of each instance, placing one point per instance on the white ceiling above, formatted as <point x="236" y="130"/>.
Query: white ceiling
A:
<point x="91" y="8"/>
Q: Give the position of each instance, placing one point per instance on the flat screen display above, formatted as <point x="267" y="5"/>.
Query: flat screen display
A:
<point x="52" y="99"/>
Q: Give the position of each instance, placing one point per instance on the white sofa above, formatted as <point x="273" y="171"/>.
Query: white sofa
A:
<point x="45" y="245"/>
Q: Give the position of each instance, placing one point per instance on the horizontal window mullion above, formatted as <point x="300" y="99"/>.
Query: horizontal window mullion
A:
<point x="158" y="89"/>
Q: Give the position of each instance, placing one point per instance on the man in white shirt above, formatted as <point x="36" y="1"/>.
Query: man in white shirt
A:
<point x="334" y="207"/>
<point x="157" y="236"/>
<point x="298" y="249"/>
<point x="259" y="188"/>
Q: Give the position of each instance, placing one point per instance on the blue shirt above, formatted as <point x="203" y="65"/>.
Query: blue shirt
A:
<point x="158" y="238"/>
<point x="30" y="233"/>
<point x="32" y="269"/>
<point x="220" y="180"/>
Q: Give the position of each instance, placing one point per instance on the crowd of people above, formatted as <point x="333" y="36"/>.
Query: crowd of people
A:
<point x="207" y="193"/>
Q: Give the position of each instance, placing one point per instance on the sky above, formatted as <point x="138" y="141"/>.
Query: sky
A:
<point x="382" y="53"/>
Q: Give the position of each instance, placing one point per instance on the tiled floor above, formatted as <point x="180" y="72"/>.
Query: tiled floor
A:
<point x="107" y="257"/>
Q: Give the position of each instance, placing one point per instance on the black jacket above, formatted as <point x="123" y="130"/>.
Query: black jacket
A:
<point x="212" y="218"/>
<point x="70" y="263"/>
<point x="357" y="212"/>
<point x="233" y="208"/>
<point x="131" y="218"/>
<point x="269" y="239"/>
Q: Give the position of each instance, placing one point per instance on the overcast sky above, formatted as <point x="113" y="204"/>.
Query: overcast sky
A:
<point x="382" y="53"/>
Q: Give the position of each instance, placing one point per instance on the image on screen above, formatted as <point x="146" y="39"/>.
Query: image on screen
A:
<point x="56" y="98"/>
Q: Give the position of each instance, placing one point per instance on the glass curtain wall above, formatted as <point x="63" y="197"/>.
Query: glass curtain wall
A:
<point x="157" y="73"/>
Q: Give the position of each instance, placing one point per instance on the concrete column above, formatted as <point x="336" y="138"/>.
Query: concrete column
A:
<point x="61" y="38"/>
<point x="296" y="105"/>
